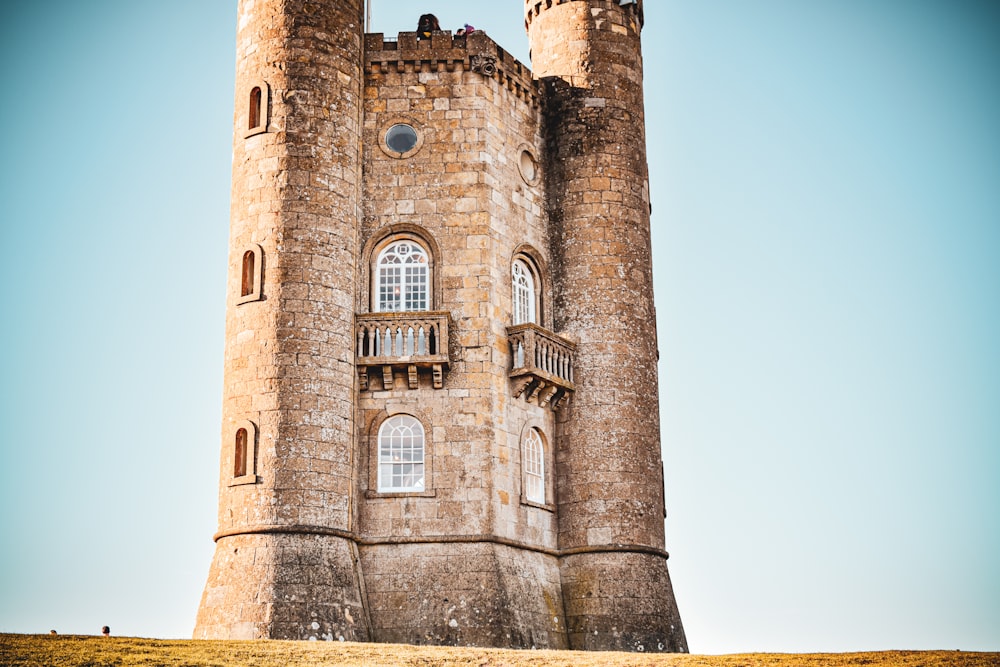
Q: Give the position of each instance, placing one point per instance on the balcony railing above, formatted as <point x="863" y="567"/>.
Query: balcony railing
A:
<point x="542" y="364"/>
<point x="402" y="341"/>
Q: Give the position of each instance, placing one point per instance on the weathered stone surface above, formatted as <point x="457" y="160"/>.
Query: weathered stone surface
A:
<point x="504" y="166"/>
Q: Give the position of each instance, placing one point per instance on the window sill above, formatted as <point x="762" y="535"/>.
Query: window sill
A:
<point x="248" y="298"/>
<point x="542" y="506"/>
<point x="378" y="495"/>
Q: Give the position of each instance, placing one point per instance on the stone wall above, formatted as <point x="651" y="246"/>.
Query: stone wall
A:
<point x="462" y="194"/>
<point x="502" y="167"/>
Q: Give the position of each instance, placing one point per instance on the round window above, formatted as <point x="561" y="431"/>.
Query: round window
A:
<point x="528" y="166"/>
<point x="401" y="138"/>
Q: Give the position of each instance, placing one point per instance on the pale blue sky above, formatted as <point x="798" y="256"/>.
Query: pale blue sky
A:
<point x="826" y="215"/>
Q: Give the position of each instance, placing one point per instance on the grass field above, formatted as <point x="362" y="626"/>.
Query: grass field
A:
<point x="76" y="651"/>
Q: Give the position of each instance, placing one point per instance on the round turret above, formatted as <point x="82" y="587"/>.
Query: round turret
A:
<point x="615" y="583"/>
<point x="288" y="430"/>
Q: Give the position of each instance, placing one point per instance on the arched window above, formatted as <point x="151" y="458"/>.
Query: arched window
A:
<point x="402" y="277"/>
<point x="523" y="282"/>
<point x="258" y="111"/>
<point x="534" y="467"/>
<point x="401" y="454"/>
<point x="251" y="274"/>
<point x="240" y="458"/>
<point x="247" y="279"/>
<point x="243" y="448"/>
<point x="254" y="114"/>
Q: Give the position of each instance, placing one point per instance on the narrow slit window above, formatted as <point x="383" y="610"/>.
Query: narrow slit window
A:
<point x="243" y="453"/>
<point x="240" y="458"/>
<point x="258" y="109"/>
<point x="255" y="98"/>
<point x="248" y="273"/>
<point x="251" y="275"/>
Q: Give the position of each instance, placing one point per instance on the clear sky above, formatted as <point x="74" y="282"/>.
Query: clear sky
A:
<point x="826" y="225"/>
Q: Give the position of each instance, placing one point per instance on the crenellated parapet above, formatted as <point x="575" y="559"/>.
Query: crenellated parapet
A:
<point x="533" y="8"/>
<point x="450" y="53"/>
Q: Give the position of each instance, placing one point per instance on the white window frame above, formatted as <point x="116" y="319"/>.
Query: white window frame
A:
<point x="523" y="293"/>
<point x="405" y="266"/>
<point x="401" y="455"/>
<point x="533" y="462"/>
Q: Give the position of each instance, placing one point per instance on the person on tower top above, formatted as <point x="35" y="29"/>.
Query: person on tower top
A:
<point x="427" y="24"/>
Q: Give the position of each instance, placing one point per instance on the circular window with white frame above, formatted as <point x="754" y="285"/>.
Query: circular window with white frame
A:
<point x="400" y="138"/>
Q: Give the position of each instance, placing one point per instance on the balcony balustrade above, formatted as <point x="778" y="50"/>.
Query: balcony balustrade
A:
<point x="402" y="341"/>
<point x="542" y="364"/>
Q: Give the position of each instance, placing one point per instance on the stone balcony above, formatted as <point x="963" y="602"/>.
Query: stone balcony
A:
<point x="405" y="342"/>
<point x="542" y="364"/>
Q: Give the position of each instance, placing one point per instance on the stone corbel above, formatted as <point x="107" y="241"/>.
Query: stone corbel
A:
<point x="520" y="384"/>
<point x="547" y="394"/>
<point x="535" y="391"/>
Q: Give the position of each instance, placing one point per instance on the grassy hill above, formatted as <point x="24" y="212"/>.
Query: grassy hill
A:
<point x="76" y="651"/>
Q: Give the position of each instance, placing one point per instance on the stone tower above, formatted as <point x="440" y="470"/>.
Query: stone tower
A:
<point x="587" y="56"/>
<point x="440" y="420"/>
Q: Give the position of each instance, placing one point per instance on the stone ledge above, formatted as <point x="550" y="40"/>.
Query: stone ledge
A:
<point x="295" y="529"/>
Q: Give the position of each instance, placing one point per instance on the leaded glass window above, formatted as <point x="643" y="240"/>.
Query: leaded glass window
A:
<point x="534" y="467"/>
<point x="401" y="454"/>
<point x="523" y="292"/>
<point x="403" y="278"/>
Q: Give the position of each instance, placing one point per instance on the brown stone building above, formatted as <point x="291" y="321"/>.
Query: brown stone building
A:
<point x="440" y="421"/>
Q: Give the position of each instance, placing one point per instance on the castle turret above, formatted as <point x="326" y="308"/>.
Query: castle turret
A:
<point x="282" y="568"/>
<point x="616" y="587"/>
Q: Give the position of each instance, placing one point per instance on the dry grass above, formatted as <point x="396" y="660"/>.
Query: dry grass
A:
<point x="74" y="651"/>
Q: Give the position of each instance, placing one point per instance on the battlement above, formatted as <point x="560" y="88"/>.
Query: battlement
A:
<point x="535" y="7"/>
<point x="447" y="52"/>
